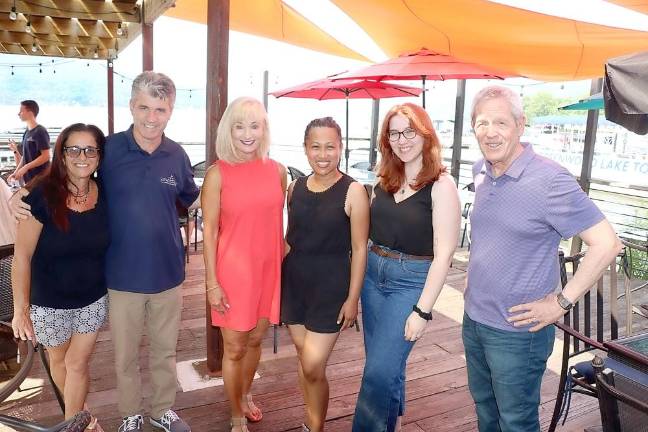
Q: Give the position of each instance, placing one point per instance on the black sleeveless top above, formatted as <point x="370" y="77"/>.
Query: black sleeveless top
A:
<point x="67" y="268"/>
<point x="314" y="216"/>
<point x="405" y="226"/>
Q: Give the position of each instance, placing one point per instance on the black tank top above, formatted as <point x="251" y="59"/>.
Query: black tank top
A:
<point x="405" y="226"/>
<point x="313" y="216"/>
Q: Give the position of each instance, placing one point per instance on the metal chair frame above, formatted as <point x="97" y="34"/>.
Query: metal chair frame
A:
<point x="581" y="336"/>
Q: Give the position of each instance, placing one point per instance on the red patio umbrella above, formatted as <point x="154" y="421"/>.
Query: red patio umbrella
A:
<point x="347" y="89"/>
<point x="424" y="65"/>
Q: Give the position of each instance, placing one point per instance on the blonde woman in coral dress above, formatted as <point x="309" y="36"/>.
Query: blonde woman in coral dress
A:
<point x="242" y="202"/>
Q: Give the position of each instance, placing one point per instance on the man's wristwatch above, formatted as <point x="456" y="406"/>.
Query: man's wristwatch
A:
<point x="427" y="316"/>
<point x="564" y="302"/>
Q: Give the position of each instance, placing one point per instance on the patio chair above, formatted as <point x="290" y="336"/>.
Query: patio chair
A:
<point x="7" y="309"/>
<point x="591" y="322"/>
<point x="295" y="173"/>
<point x="6" y="295"/>
<point x="77" y="423"/>
<point x="465" y="214"/>
<point x="623" y="403"/>
<point x="634" y="261"/>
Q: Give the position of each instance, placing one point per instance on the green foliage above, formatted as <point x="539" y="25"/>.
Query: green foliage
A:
<point x="544" y="103"/>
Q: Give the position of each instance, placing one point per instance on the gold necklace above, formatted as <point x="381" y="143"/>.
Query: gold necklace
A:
<point x="407" y="183"/>
<point x="80" y="198"/>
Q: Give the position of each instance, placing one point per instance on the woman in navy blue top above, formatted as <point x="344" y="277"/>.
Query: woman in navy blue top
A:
<point x="58" y="275"/>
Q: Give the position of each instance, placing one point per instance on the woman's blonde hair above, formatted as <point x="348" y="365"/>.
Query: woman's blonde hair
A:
<point x="241" y="109"/>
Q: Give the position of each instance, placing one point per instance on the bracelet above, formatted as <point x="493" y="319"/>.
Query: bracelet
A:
<point x="427" y="316"/>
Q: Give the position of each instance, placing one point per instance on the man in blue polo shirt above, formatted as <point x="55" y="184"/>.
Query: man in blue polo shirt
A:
<point x="143" y="173"/>
<point x="524" y="204"/>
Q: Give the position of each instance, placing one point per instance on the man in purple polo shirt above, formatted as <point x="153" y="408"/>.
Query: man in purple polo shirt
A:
<point x="524" y="204"/>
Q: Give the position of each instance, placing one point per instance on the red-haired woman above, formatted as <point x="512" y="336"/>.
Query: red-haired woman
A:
<point x="59" y="287"/>
<point x="415" y="219"/>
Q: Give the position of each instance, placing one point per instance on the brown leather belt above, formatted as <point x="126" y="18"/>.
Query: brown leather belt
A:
<point x="397" y="255"/>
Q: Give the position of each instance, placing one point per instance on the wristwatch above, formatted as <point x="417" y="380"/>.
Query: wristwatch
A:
<point x="427" y="316"/>
<point x="564" y="302"/>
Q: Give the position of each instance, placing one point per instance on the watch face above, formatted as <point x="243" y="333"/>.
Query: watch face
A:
<point x="563" y="302"/>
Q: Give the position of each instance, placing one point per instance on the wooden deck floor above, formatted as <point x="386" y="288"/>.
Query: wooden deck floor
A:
<point x="437" y="393"/>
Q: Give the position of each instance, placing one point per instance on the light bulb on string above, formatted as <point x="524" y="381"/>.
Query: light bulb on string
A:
<point x="12" y="72"/>
<point x="28" y="27"/>
<point x="13" y="15"/>
<point x="120" y="30"/>
<point x="96" y="53"/>
<point x="34" y="48"/>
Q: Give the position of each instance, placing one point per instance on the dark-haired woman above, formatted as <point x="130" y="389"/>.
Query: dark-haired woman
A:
<point x="328" y="223"/>
<point x="414" y="228"/>
<point x="58" y="279"/>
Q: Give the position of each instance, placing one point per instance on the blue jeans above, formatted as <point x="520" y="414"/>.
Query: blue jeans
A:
<point x="391" y="287"/>
<point x="505" y="371"/>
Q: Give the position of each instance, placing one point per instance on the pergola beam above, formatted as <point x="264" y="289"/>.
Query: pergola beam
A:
<point x="115" y="11"/>
<point x="63" y="27"/>
<point x="58" y="40"/>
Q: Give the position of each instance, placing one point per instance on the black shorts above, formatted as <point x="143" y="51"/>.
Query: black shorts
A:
<point x="313" y="290"/>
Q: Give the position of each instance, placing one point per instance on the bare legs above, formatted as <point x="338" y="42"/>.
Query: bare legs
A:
<point x="313" y="350"/>
<point x="240" y="361"/>
<point x="69" y="365"/>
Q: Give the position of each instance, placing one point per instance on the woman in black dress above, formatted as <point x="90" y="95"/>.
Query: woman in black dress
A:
<point x="59" y="287"/>
<point x="328" y="224"/>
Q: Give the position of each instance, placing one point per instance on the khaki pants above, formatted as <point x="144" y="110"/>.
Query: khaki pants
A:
<point x="160" y="313"/>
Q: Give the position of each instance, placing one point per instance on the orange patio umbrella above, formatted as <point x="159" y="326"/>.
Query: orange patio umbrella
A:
<point x="515" y="40"/>
<point x="347" y="89"/>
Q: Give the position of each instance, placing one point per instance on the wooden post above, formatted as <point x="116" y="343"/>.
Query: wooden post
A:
<point x="111" y="97"/>
<point x="147" y="42"/>
<point x="588" y="153"/>
<point x="265" y="89"/>
<point x="217" y="56"/>
<point x="455" y="165"/>
<point x="373" y="144"/>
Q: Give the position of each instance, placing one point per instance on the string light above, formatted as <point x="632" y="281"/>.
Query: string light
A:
<point x="96" y="53"/>
<point x="120" y="30"/>
<point x="28" y="27"/>
<point x="13" y="15"/>
<point x="34" y="48"/>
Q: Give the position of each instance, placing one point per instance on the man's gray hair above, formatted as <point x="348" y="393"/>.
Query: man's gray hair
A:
<point x="496" y="92"/>
<point x="155" y="84"/>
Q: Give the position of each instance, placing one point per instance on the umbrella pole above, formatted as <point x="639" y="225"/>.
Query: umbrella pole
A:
<point x="423" y="92"/>
<point x="346" y="148"/>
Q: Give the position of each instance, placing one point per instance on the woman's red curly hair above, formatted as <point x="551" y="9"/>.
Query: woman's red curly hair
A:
<point x="392" y="170"/>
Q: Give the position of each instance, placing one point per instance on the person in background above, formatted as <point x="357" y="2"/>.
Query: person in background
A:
<point x="58" y="272"/>
<point x="242" y="205"/>
<point x="415" y="218"/>
<point x="322" y="273"/>
<point x="524" y="204"/>
<point x="35" y="145"/>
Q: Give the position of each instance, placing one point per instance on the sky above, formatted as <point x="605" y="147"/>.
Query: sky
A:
<point x="250" y="56"/>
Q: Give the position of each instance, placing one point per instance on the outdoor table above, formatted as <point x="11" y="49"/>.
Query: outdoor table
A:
<point x="631" y="351"/>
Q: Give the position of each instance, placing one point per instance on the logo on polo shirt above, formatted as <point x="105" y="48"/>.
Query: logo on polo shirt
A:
<point x="171" y="181"/>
